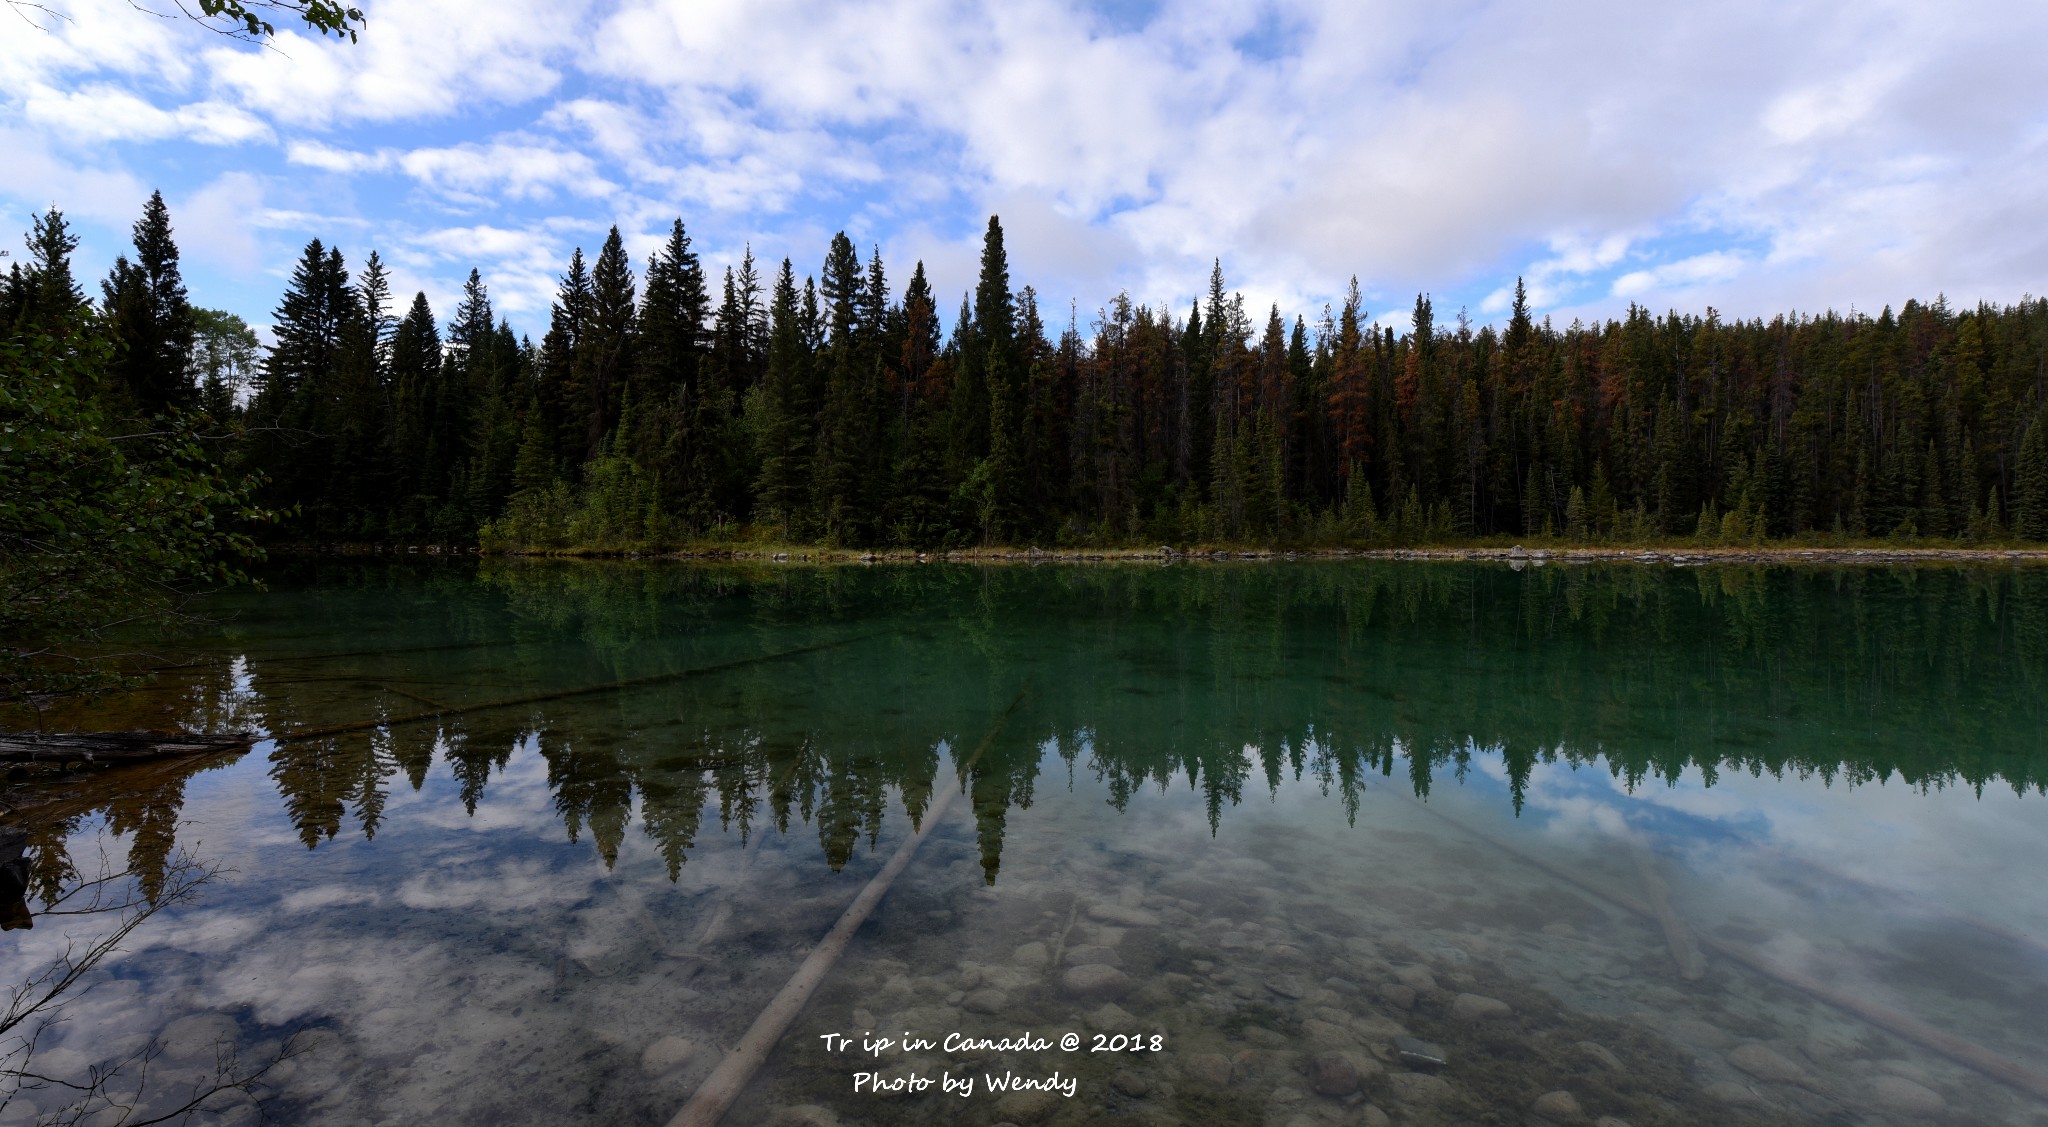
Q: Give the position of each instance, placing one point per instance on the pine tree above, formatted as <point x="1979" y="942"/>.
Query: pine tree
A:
<point x="415" y="373"/>
<point x="44" y="297"/>
<point x="300" y="384"/>
<point x="151" y="318"/>
<point x="995" y="330"/>
<point x="374" y="288"/>
<point x="843" y="437"/>
<point x="2030" y="482"/>
<point x="776" y="413"/>
<point x="604" y="350"/>
<point x="569" y="320"/>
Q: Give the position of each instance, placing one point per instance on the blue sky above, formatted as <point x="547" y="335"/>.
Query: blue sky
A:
<point x="1755" y="157"/>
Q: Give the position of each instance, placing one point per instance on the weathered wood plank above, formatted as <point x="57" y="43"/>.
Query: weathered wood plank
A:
<point x="114" y="747"/>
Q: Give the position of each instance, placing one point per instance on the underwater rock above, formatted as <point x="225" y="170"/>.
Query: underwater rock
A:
<point x="927" y="1019"/>
<point x="1006" y="978"/>
<point x="1765" y="1063"/>
<point x="1612" y="1121"/>
<point x="1600" y="1055"/>
<point x="1417" y="1053"/>
<point x="1731" y="1093"/>
<point x="668" y="1054"/>
<point x="1372" y="1116"/>
<point x="864" y="1020"/>
<point x="1095" y="982"/>
<point x="1332" y="1074"/>
<point x="1109" y="1016"/>
<point x="1209" y="1068"/>
<point x="985" y="1001"/>
<point x="1263" y="1037"/>
<point x="1027" y="1107"/>
<point x="1417" y="978"/>
<point x="1900" y="1096"/>
<point x="1033" y="955"/>
<point x="1091" y="954"/>
<point x="1418" y="1087"/>
<point x="1323" y="1034"/>
<point x="1130" y="1084"/>
<point x="1288" y="988"/>
<point x="1398" y="995"/>
<point x="1559" y="1105"/>
<point x="1478" y="1007"/>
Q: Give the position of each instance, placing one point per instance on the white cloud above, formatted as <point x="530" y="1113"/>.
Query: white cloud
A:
<point x="1734" y="152"/>
<point x="215" y="223"/>
<point x="105" y="113"/>
<point x="417" y="60"/>
<point x="515" y="171"/>
<point x="313" y="154"/>
<point x="1714" y="266"/>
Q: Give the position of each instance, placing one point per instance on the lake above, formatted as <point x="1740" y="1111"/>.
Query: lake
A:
<point x="1278" y="843"/>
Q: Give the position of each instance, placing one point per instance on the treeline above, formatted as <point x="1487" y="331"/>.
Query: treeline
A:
<point x="661" y="407"/>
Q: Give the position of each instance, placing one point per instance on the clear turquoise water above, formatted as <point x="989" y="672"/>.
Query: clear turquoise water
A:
<point x="1301" y="809"/>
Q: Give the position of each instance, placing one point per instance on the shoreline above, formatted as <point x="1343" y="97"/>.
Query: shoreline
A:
<point x="1516" y="556"/>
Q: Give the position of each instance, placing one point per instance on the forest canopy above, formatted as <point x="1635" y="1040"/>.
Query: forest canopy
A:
<point x="663" y="406"/>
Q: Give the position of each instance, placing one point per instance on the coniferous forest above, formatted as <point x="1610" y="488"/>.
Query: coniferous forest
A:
<point x="664" y="406"/>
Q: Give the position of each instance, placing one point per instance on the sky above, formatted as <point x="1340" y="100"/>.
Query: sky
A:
<point x="1756" y="158"/>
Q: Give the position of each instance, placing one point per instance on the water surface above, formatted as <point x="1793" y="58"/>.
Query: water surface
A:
<point x="534" y="843"/>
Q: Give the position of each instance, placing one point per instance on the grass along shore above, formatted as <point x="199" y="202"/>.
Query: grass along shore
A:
<point x="1536" y="551"/>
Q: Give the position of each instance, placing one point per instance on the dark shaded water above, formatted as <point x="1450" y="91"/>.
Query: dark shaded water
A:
<point x="570" y="826"/>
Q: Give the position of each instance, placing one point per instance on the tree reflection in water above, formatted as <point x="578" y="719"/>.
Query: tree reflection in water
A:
<point x="1226" y="679"/>
<point x="95" y="910"/>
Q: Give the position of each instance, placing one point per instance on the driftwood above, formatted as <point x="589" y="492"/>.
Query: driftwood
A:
<point x="96" y="748"/>
<point x="561" y="694"/>
<point x="713" y="1097"/>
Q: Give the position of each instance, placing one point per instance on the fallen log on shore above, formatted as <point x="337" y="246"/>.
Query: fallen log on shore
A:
<point x="97" y="748"/>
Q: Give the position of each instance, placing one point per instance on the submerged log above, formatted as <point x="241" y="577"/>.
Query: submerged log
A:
<point x="1685" y="950"/>
<point x="716" y="1094"/>
<point x="114" y="747"/>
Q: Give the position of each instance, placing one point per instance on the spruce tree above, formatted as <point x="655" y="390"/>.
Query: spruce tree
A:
<point x="605" y="349"/>
<point x="776" y="414"/>
<point x="415" y="374"/>
<point x="374" y="288"/>
<point x="151" y="317"/>
<point x="568" y="324"/>
<point x="44" y="296"/>
<point x="842" y="437"/>
<point x="2030" y="482"/>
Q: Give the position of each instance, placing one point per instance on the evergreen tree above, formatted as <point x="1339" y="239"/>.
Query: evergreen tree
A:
<point x="779" y="408"/>
<point x="44" y="297"/>
<point x="604" y="349"/>
<point x="151" y="318"/>
<point x="2030" y="482"/>
<point x="418" y="469"/>
<point x="374" y="287"/>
